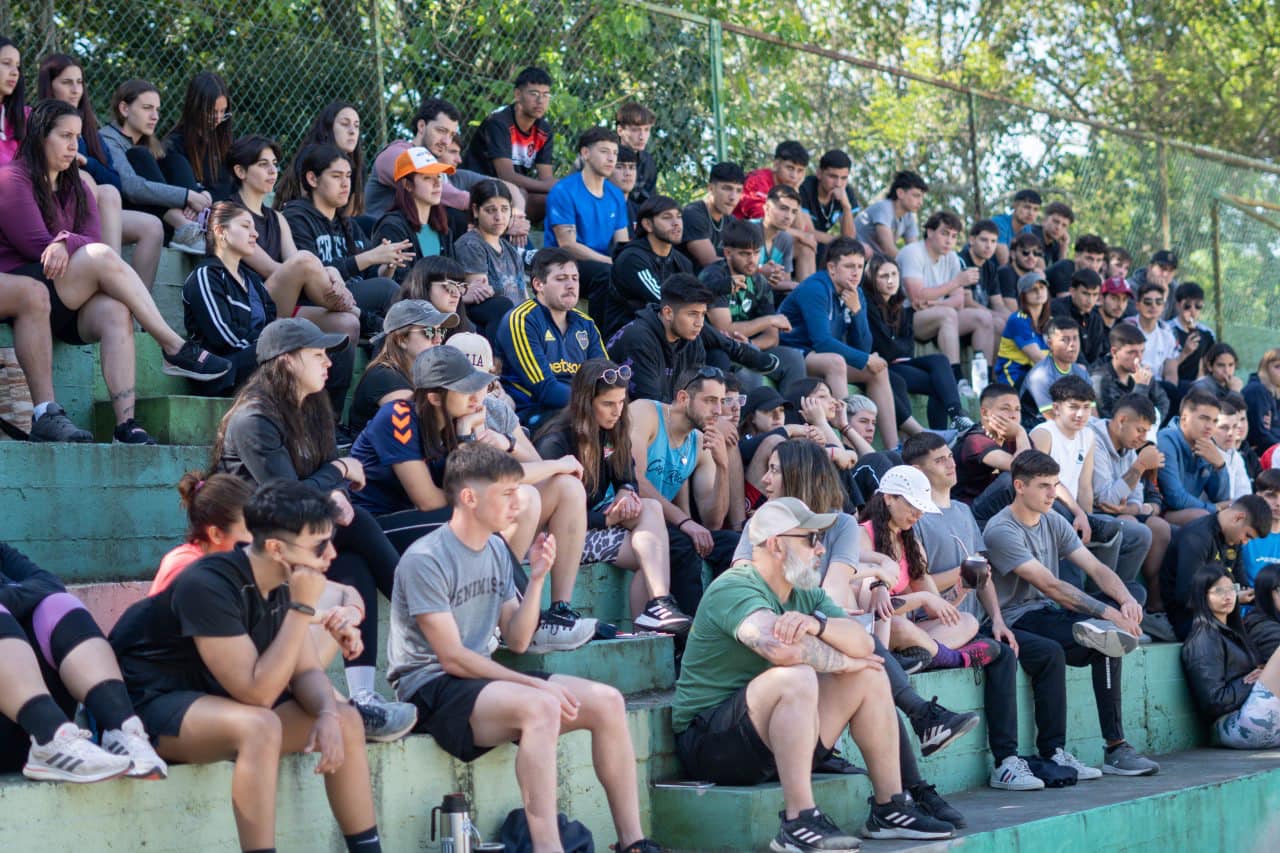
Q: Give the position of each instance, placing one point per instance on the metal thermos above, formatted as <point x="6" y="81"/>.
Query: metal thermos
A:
<point x="456" y="829"/>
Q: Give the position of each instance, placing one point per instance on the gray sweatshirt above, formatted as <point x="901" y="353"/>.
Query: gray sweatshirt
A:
<point x="136" y="189"/>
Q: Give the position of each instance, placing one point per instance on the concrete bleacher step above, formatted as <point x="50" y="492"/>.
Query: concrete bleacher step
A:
<point x="178" y="419"/>
<point x="638" y="663"/>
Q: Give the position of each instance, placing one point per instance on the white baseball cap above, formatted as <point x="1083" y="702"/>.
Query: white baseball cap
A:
<point x="910" y="484"/>
<point x="479" y="351"/>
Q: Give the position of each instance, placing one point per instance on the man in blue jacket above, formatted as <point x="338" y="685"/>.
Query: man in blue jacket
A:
<point x="544" y="340"/>
<point x="828" y="319"/>
<point x="1193" y="481"/>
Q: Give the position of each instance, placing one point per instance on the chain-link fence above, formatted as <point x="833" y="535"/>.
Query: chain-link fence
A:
<point x="718" y="89"/>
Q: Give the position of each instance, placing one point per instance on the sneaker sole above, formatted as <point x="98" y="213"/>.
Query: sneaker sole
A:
<point x="668" y="628"/>
<point x="174" y="370"/>
<point x="968" y="726"/>
<point x="393" y="736"/>
<point x="53" y="774"/>
<point x="916" y="834"/>
<point x="153" y="775"/>
<point x="786" y="847"/>
<point x="1113" y="644"/>
<point x="1118" y="771"/>
<point x="1007" y="786"/>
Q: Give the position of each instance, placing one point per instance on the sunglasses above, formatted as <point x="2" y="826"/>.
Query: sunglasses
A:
<point x="318" y="550"/>
<point x="707" y="372"/>
<point x="1036" y="253"/>
<point x="431" y="333"/>
<point x="1197" y="306"/>
<point x="814" y="537"/>
<point x="453" y="288"/>
<point x="1154" y="303"/>
<point x="616" y="375"/>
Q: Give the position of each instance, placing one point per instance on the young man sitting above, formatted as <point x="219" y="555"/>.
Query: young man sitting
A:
<point x="777" y="249"/>
<point x="1162" y="354"/>
<point x="1080" y="306"/>
<point x="515" y="143"/>
<point x="634" y="123"/>
<point x="1126" y="373"/>
<point x="1064" y="345"/>
<point x="1193" y="336"/>
<point x="543" y="341"/>
<point x="1192" y="481"/>
<point x="221" y="666"/>
<point x="704" y="218"/>
<point x="453" y="588"/>
<point x="829" y="200"/>
<point x="1116" y="302"/>
<point x="645" y="263"/>
<point x="939" y="290"/>
<point x="1025" y="542"/>
<point x="980" y="254"/>
<point x="880" y="225"/>
<point x="985" y="452"/>
<point x="1025" y="213"/>
<point x="769" y="648"/>
<point x="681" y="461"/>
<point x="1054" y="232"/>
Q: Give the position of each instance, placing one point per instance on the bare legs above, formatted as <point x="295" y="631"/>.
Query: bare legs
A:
<point x="647" y="550"/>
<point x="26" y="302"/>
<point x="105" y="321"/>
<point x="130" y="227"/>
<point x="564" y="515"/>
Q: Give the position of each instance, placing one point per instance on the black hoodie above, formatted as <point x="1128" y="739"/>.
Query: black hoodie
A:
<point x="336" y="242"/>
<point x="636" y="281"/>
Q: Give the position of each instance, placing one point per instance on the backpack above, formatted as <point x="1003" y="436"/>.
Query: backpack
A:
<point x="574" y="837"/>
<point x="1053" y="775"/>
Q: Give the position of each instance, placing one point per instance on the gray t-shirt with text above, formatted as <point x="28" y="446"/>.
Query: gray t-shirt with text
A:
<point x="1010" y="543"/>
<point x="439" y="574"/>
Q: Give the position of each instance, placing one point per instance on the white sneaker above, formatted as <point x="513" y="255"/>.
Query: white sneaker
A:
<point x="72" y="757"/>
<point x="560" y="633"/>
<point x="1084" y="772"/>
<point x="131" y="740"/>
<point x="188" y="238"/>
<point x="1103" y="636"/>
<point x="1013" y="774"/>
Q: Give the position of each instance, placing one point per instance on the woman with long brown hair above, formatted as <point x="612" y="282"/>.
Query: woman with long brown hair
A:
<point x="337" y="124"/>
<point x="622" y="528"/>
<point x="196" y="148"/>
<point x="281" y="427"/>
<point x="411" y="327"/>
<point x="1022" y="343"/>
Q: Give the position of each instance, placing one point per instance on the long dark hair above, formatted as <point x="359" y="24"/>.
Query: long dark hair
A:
<point x="51" y="67"/>
<point x="1202" y="617"/>
<point x="315" y="159"/>
<point x="293" y="183"/>
<point x="15" y="106"/>
<point x="439" y="437"/>
<point x="890" y="309"/>
<point x="203" y="141"/>
<point x="877" y="512"/>
<point x="126" y="93"/>
<point x="245" y="151"/>
<point x="1041" y="325"/>
<point x="408" y="206"/>
<point x="808" y="474"/>
<point x="589" y="441"/>
<point x="31" y="152"/>
<point x="1264" y="587"/>
<point x="308" y="427"/>
<point x="426" y="272"/>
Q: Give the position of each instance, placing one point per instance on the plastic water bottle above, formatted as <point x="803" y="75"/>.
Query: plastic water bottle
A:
<point x="978" y="372"/>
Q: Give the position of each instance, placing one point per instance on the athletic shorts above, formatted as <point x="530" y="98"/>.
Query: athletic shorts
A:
<point x="603" y="545"/>
<point x="444" y="707"/>
<point x="1256" y="725"/>
<point x="62" y="320"/>
<point x="722" y="745"/>
<point x="162" y="713"/>
<point x="22" y="598"/>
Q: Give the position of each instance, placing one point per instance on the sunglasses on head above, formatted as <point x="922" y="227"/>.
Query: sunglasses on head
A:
<point x="707" y="372"/>
<point x="616" y="375"/>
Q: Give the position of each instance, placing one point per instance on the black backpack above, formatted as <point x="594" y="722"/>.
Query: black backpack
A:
<point x="574" y="837"/>
<point x="1052" y="774"/>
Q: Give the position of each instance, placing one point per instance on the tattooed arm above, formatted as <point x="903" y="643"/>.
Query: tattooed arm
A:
<point x="756" y="633"/>
<point x="1075" y="599"/>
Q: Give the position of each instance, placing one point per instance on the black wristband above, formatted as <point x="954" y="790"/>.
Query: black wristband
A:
<point x="305" y="609"/>
<point x="681" y="525"/>
<point x="512" y="447"/>
<point x="877" y="583"/>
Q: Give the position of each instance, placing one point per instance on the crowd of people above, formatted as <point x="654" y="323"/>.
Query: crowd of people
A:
<point x="663" y="387"/>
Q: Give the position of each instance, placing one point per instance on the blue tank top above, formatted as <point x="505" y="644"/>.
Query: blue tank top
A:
<point x="669" y="467"/>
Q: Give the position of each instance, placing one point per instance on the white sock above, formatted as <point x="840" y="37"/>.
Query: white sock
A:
<point x="38" y="410"/>
<point x="359" y="678"/>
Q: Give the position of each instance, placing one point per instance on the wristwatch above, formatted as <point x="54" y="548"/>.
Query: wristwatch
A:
<point x="822" y="621"/>
<point x="305" y="609"/>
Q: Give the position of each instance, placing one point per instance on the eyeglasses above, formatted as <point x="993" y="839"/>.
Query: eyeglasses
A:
<point x="616" y="375"/>
<point x="707" y="372"/>
<point x="320" y="548"/>
<point x="219" y="118"/>
<point x="535" y="95"/>
<point x="1226" y="592"/>
<point x="453" y="288"/>
<point x="1154" y="303"/>
<point x="431" y="333"/>
<point x="1197" y="306"/>
<point x="738" y="400"/>
<point x="814" y="537"/>
<point x="1036" y="253"/>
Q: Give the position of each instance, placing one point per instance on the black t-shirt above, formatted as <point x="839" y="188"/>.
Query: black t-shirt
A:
<point x="1007" y="282"/>
<point x="1059" y="277"/>
<point x="825" y="216"/>
<point x="972" y="474"/>
<point x="377" y="382"/>
<point x="988" y="278"/>
<point x="698" y="226"/>
<point x="1188" y="369"/>
<point x="748" y="445"/>
<point x="500" y="138"/>
<point x="216" y="596"/>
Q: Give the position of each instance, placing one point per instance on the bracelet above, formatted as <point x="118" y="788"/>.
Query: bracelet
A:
<point x="327" y="711"/>
<point x="342" y="466"/>
<point x="511" y="448"/>
<point x="681" y="525"/>
<point x="305" y="609"/>
<point x="877" y="583"/>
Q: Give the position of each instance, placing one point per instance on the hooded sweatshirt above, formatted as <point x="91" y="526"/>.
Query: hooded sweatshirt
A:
<point x="336" y="241"/>
<point x="636" y="281"/>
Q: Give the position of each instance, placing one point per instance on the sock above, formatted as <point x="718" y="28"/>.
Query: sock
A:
<point x="948" y="658"/>
<point x="109" y="703"/>
<point x="261" y="850"/>
<point x="359" y="678"/>
<point x="956" y="372"/>
<point x="1115" y="746"/>
<point x="364" y="842"/>
<point x="40" y="717"/>
<point x="38" y="410"/>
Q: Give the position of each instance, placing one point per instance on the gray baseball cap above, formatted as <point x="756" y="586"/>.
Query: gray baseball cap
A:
<point x="416" y="312"/>
<point x="446" y="367"/>
<point x="294" y="333"/>
<point x="782" y="514"/>
<point x="1030" y="280"/>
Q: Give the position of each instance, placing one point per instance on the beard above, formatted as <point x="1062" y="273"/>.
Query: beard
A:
<point x="801" y="573"/>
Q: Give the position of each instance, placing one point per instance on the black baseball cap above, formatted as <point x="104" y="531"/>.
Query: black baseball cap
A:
<point x="291" y="334"/>
<point x="764" y="399"/>
<point x="1165" y="258"/>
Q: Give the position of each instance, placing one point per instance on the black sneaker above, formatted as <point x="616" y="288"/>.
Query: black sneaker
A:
<point x="913" y="659"/>
<point x="130" y="432"/>
<point x="644" y="845"/>
<point x="343" y="437"/>
<point x="838" y="764"/>
<point x="811" y="830"/>
<point x="663" y="614"/>
<point x="937" y="727"/>
<point x="54" y="425"/>
<point x="901" y="818"/>
<point x="195" y="363"/>
<point x="930" y="801"/>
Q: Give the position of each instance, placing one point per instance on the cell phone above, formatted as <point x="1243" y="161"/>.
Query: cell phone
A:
<point x="696" y="785"/>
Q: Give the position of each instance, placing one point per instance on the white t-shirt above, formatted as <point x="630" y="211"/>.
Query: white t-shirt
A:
<point x="1069" y="453"/>
<point x="914" y="262"/>
<point x="1161" y="346"/>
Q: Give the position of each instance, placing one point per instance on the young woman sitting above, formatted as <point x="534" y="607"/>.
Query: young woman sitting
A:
<point x="912" y="618"/>
<point x="622" y="528"/>
<point x="337" y="124"/>
<point x="62" y="77"/>
<point x="442" y="282"/>
<point x="412" y="326"/>
<point x="136" y="154"/>
<point x="1022" y="343"/>
<point x="1236" y="689"/>
<point x="52" y="656"/>
<point x="484" y="248"/>
<point x="893" y="337"/>
<point x="227" y="304"/>
<point x="13" y="101"/>
<point x="416" y="214"/>
<point x="320" y="225"/>
<point x="195" y="151"/>
<point x="281" y="427"/>
<point x="50" y="232"/>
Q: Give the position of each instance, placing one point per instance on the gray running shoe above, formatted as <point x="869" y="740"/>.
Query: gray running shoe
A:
<point x="384" y="721"/>
<point x="1103" y="636"/>
<point x="1124" y="760"/>
<point x="188" y="238"/>
<point x="54" y="425"/>
<point x="72" y="757"/>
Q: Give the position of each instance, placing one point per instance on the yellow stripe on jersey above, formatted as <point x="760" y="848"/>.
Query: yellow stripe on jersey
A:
<point x="520" y="340"/>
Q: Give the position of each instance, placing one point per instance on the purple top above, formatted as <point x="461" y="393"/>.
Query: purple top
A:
<point x="23" y="234"/>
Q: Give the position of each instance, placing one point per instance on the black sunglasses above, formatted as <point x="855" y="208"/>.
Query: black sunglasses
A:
<point x="707" y="372"/>
<point x="814" y="537"/>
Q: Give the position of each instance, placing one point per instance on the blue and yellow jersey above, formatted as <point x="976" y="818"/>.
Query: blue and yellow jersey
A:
<point x="539" y="361"/>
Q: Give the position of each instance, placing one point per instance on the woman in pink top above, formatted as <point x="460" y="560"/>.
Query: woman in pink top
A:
<point x="13" y="102"/>
<point x="50" y="232"/>
<point x="937" y="636"/>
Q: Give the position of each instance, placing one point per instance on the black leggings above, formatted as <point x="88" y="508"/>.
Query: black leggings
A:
<point x="486" y="316"/>
<point x="367" y="562"/>
<point x="931" y="375"/>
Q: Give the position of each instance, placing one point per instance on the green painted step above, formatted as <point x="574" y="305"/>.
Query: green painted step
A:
<point x="179" y="419"/>
<point x="634" y="664"/>
<point x="94" y="511"/>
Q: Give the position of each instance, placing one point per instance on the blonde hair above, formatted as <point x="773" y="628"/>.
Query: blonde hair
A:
<point x="1268" y="358"/>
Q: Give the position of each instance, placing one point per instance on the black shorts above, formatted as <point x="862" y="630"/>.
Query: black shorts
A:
<point x="22" y="598"/>
<point x="62" y="320"/>
<point x="722" y="745"/>
<point x="162" y="713"/>
<point x="444" y="707"/>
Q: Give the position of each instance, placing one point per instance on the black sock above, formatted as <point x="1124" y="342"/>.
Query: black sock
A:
<point x="261" y="850"/>
<point x="364" y="842"/>
<point x="109" y="703"/>
<point x="955" y="371"/>
<point x="40" y="717"/>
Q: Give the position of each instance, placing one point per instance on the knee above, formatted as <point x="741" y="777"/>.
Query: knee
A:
<point x="258" y="731"/>
<point x="35" y="296"/>
<point x="308" y="264"/>
<point x="1160" y="530"/>
<point x="346" y="324"/>
<point x="530" y="502"/>
<point x="607" y="703"/>
<point x="969" y="623"/>
<point x="108" y="197"/>
<point x="651" y="513"/>
<point x="540" y="712"/>
<point x="350" y="722"/>
<point x="569" y="488"/>
<point x="115" y="319"/>
<point x="798" y="683"/>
